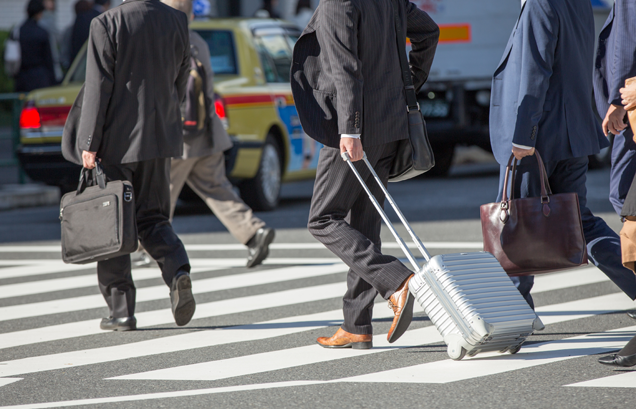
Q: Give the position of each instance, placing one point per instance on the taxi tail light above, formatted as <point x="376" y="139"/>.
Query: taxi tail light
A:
<point x="221" y="110"/>
<point x="33" y="117"/>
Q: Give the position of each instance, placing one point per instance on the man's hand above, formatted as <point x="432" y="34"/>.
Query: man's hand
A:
<point x="614" y="121"/>
<point x="629" y="96"/>
<point x="522" y="153"/>
<point x="89" y="159"/>
<point x="353" y="147"/>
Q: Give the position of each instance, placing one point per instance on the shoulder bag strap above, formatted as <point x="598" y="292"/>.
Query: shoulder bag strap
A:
<point x="409" y="88"/>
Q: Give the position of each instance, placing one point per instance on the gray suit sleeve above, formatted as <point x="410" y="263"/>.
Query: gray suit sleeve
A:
<point x="338" y="37"/>
<point x="100" y="67"/>
<point x="624" y="64"/>
<point x="540" y="31"/>
<point x="424" y="35"/>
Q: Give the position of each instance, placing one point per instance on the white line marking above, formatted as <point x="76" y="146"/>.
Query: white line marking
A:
<point x="288" y="358"/>
<point x="625" y="380"/>
<point x="558" y="281"/>
<point x="273" y="246"/>
<point x="447" y="371"/>
<point x="41" y="267"/>
<point x="164" y="395"/>
<point x="159" y="292"/>
<point x="8" y="381"/>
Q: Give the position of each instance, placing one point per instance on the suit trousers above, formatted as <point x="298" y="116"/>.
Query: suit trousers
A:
<point x="603" y="244"/>
<point x="150" y="180"/>
<point x="206" y="176"/>
<point x="623" y="168"/>
<point x="343" y="218"/>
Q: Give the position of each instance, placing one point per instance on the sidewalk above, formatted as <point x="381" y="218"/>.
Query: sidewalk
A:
<point x="13" y="196"/>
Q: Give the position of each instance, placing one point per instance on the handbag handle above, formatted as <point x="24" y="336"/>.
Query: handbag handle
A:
<point x="97" y="174"/>
<point x="511" y="169"/>
<point x="409" y="88"/>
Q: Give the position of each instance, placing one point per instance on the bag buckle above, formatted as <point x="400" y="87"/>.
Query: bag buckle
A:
<point x="408" y="108"/>
<point x="128" y="196"/>
<point x="545" y="199"/>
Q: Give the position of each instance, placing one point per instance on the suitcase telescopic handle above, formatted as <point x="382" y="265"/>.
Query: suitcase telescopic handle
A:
<point x="416" y="240"/>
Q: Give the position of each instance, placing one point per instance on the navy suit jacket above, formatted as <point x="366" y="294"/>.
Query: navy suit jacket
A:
<point x="542" y="89"/>
<point x="616" y="55"/>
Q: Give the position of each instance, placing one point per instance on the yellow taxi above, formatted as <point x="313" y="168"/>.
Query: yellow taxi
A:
<point x="251" y="59"/>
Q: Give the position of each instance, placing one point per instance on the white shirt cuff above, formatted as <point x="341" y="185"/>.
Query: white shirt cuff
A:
<point x="522" y="146"/>
<point x="348" y="135"/>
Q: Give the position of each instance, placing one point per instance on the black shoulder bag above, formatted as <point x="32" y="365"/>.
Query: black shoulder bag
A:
<point x="414" y="155"/>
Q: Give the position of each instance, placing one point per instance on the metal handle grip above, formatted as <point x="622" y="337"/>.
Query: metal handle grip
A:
<point x="399" y="239"/>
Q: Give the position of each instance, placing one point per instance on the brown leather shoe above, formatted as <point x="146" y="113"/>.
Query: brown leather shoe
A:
<point x="344" y="339"/>
<point x="401" y="302"/>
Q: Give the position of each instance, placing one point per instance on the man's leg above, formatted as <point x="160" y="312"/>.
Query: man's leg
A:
<point x="336" y="192"/>
<point x="603" y="244"/>
<point x="179" y="171"/>
<point x="623" y="168"/>
<point x="207" y="178"/>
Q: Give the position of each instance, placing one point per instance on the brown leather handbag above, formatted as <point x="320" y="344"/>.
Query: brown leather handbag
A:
<point x="534" y="235"/>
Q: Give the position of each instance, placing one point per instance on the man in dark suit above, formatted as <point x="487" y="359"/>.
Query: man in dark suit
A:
<point x="541" y="101"/>
<point x="348" y="88"/>
<point x="616" y="62"/>
<point x="136" y="73"/>
<point x="82" y="25"/>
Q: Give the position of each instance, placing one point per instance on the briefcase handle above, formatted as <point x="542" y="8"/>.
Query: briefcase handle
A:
<point x="97" y="174"/>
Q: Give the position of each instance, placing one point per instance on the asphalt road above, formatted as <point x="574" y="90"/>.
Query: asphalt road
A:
<point x="252" y="340"/>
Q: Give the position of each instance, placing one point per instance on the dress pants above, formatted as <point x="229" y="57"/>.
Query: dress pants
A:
<point x="150" y="180"/>
<point x="343" y="218"/>
<point x="623" y="167"/>
<point x="206" y="176"/>
<point x="603" y="244"/>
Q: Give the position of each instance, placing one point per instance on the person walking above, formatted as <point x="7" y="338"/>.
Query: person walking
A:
<point x="82" y="25"/>
<point x="615" y="62"/>
<point x="268" y="10"/>
<point x="303" y="13"/>
<point x="49" y="24"/>
<point x="348" y="88"/>
<point x="80" y="6"/>
<point x="37" y="68"/>
<point x="545" y="71"/>
<point x="202" y="166"/>
<point x="128" y="117"/>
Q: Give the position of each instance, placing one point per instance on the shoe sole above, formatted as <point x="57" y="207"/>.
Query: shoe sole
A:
<point x="184" y="305"/>
<point x="260" y="257"/>
<point x="404" y="320"/>
<point x="354" y="345"/>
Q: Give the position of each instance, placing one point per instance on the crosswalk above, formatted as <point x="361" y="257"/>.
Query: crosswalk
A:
<point x="286" y="297"/>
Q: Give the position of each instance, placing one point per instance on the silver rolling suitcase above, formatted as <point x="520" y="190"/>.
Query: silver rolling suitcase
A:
<point x="468" y="296"/>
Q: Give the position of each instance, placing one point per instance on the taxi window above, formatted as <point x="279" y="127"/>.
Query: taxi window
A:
<point x="276" y="57"/>
<point x="78" y="76"/>
<point x="222" y="55"/>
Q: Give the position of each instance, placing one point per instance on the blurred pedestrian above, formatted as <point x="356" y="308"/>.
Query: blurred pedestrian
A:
<point x="202" y="165"/>
<point x="82" y="26"/>
<point x="303" y="13"/>
<point x="129" y="118"/>
<point x="351" y="43"/>
<point x="616" y="62"/>
<point x="48" y="23"/>
<point x="81" y="6"/>
<point x="36" y="69"/>
<point x="268" y="9"/>
<point x="546" y="70"/>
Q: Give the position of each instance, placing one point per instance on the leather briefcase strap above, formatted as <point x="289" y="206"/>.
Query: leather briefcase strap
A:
<point x="409" y="88"/>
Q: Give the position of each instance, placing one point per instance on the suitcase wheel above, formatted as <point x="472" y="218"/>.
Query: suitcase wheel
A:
<point x="514" y="350"/>
<point x="456" y="353"/>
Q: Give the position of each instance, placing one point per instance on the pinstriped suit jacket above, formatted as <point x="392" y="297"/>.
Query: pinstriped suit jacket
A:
<point x="346" y="76"/>
<point x="616" y="55"/>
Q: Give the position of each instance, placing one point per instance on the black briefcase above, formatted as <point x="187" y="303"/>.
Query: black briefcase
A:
<point x="98" y="221"/>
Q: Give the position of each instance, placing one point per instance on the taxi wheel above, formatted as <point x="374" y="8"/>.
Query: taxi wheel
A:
<point x="263" y="191"/>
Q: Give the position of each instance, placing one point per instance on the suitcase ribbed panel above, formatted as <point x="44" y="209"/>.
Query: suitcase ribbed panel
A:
<point x="467" y="289"/>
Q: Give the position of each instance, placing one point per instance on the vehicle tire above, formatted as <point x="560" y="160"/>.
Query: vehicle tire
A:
<point x="444" y="154"/>
<point x="263" y="191"/>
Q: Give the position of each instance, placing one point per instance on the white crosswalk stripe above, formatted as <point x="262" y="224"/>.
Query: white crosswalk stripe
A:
<point x="263" y="361"/>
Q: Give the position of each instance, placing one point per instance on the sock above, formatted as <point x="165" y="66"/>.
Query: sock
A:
<point x="629" y="349"/>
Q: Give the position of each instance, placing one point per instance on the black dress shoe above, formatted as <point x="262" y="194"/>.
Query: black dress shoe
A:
<point x="182" y="300"/>
<point x="118" y="324"/>
<point x="631" y="314"/>
<point x="618" y="360"/>
<point x="258" y="246"/>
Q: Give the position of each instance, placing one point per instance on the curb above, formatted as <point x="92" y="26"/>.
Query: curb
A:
<point x="31" y="195"/>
